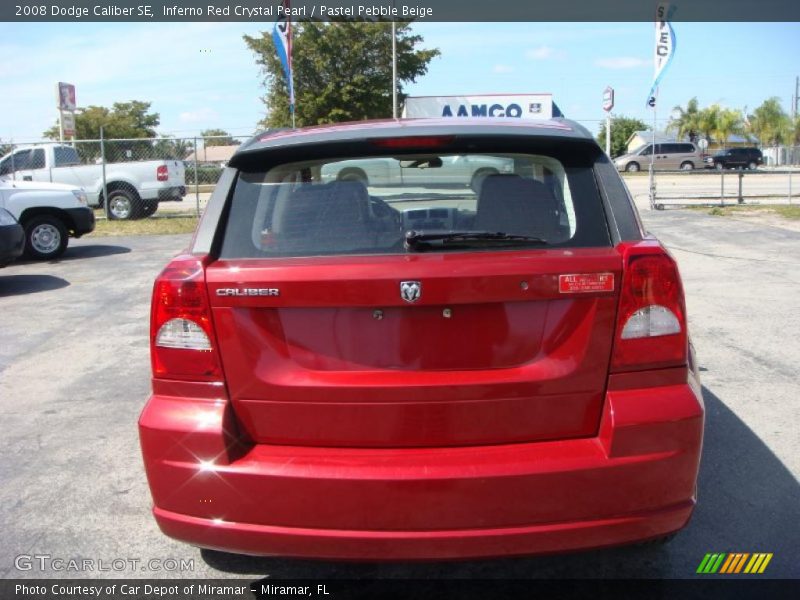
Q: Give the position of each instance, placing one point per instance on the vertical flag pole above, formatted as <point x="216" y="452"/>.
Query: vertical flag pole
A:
<point x="652" y="186"/>
<point x="664" y="50"/>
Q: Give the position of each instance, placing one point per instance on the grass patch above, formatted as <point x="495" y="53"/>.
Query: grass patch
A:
<point x="786" y="211"/>
<point x="150" y="226"/>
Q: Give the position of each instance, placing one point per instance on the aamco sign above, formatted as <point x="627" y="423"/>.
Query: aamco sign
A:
<point x="513" y="106"/>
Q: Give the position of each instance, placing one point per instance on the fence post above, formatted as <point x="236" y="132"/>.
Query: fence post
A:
<point x="741" y="176"/>
<point x="722" y="187"/>
<point x="106" y="203"/>
<point x="196" y="181"/>
<point x="791" y="168"/>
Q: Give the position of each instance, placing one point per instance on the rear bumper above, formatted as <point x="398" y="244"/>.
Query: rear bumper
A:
<point x="634" y="480"/>
<point x="171" y="193"/>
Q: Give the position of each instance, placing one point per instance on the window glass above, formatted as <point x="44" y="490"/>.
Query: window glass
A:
<point x="65" y="156"/>
<point x="370" y="205"/>
<point x="37" y="159"/>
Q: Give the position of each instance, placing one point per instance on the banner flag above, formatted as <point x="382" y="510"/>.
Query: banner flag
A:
<point x="282" y="36"/>
<point x="664" y="49"/>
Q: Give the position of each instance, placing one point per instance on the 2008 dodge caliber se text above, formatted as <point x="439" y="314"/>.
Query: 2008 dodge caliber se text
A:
<point x="426" y="369"/>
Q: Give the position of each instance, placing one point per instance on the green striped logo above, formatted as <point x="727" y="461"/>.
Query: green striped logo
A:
<point x="734" y="563"/>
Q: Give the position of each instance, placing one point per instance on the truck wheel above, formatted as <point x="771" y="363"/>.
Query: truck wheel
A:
<point x="752" y="165"/>
<point x="122" y="204"/>
<point x="46" y="237"/>
<point x="148" y="209"/>
<point x="720" y="166"/>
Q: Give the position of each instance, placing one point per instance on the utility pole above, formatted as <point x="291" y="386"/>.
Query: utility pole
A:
<point x="796" y="96"/>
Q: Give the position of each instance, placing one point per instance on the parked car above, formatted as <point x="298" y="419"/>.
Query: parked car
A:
<point x="12" y="238"/>
<point x="134" y="188"/>
<point x="454" y="170"/>
<point x="419" y="372"/>
<point x="734" y="158"/>
<point x="669" y="156"/>
<point x="50" y="214"/>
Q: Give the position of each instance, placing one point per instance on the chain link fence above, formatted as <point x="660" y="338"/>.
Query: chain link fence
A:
<point x="140" y="177"/>
<point x="170" y="176"/>
<point x="776" y="181"/>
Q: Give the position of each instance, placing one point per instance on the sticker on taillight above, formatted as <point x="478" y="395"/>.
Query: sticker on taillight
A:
<point x="585" y="283"/>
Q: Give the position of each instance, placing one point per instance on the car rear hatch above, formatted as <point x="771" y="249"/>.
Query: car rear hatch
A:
<point x="410" y="347"/>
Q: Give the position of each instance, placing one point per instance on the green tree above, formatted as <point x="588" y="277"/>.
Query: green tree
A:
<point x="771" y="124"/>
<point x="342" y="71"/>
<point x="172" y="148"/>
<point x="685" y="121"/>
<point x="218" y="137"/>
<point x="726" y="121"/>
<point x="123" y="121"/>
<point x="622" y="128"/>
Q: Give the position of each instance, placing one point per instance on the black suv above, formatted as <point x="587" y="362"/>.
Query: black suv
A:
<point x="736" y="158"/>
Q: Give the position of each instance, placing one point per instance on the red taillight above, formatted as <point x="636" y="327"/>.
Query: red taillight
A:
<point x="651" y="323"/>
<point x="182" y="343"/>
<point x="162" y="173"/>
<point x="433" y="141"/>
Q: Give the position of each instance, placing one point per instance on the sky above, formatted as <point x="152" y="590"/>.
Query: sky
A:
<point x="202" y="75"/>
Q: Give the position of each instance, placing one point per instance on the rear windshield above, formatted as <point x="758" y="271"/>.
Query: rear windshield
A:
<point x="443" y="202"/>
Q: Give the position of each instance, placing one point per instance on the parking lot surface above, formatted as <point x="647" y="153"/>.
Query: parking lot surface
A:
<point x="74" y="374"/>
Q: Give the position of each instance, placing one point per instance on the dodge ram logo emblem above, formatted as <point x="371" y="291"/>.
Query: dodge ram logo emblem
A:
<point x="410" y="291"/>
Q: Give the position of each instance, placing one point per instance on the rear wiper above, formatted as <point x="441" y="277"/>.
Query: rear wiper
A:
<point x="420" y="240"/>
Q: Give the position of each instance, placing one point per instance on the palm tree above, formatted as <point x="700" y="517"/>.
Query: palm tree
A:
<point x="707" y="121"/>
<point x="770" y="123"/>
<point x="685" y="120"/>
<point x="728" y="121"/>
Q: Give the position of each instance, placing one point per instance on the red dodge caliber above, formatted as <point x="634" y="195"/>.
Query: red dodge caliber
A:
<point x="421" y="339"/>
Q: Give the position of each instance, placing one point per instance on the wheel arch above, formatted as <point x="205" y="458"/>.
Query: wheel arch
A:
<point x="39" y="211"/>
<point x="118" y="184"/>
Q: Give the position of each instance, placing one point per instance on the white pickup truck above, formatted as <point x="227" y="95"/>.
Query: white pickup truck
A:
<point x="50" y="213"/>
<point x="134" y="188"/>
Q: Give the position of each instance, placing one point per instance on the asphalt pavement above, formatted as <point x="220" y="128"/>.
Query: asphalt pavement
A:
<point x="74" y="375"/>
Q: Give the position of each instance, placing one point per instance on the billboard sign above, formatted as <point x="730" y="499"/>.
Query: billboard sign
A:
<point x="511" y="106"/>
<point x="66" y="97"/>
<point x="68" y="124"/>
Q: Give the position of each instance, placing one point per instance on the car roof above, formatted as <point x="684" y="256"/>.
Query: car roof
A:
<point x="365" y="130"/>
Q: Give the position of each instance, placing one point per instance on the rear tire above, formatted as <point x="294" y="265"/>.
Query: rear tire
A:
<point x="148" y="209"/>
<point x="687" y="166"/>
<point x="632" y="167"/>
<point x="123" y="204"/>
<point x="752" y="165"/>
<point x="46" y="237"/>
